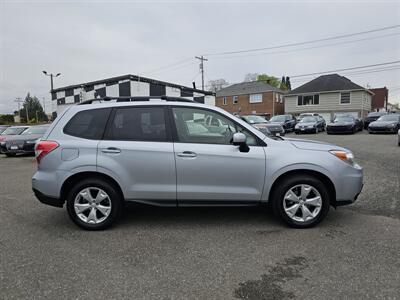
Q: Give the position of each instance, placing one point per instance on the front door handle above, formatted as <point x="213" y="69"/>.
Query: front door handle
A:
<point x="187" y="154"/>
<point x="111" y="150"/>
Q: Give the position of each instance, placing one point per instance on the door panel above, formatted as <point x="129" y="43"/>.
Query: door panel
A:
<point x="146" y="169"/>
<point x="137" y="147"/>
<point x="208" y="167"/>
<point x="219" y="172"/>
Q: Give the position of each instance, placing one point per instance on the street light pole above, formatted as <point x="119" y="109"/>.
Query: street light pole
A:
<point x="51" y="78"/>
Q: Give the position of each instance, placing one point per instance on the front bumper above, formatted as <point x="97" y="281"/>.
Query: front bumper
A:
<point x="349" y="186"/>
<point x="382" y="129"/>
<point x="304" y="130"/>
<point x="339" y="129"/>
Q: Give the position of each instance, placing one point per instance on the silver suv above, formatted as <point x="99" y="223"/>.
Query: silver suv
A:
<point x="97" y="156"/>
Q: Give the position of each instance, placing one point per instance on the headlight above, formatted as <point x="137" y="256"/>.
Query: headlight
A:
<point x="347" y="157"/>
<point x="392" y="125"/>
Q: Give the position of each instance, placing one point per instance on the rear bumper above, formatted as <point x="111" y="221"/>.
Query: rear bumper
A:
<point x="47" y="199"/>
<point x="25" y="149"/>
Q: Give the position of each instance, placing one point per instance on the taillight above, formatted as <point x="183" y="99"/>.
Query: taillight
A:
<point x="43" y="148"/>
<point x="2" y="138"/>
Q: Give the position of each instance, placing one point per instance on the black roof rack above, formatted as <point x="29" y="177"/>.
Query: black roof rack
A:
<point x="138" y="98"/>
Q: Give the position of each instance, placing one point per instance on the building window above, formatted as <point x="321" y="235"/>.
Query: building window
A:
<point x="308" y="100"/>
<point x="345" y="98"/>
<point x="235" y="99"/>
<point x="255" y="98"/>
<point x="281" y="98"/>
<point x="224" y="100"/>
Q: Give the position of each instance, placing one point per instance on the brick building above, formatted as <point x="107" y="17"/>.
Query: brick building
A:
<point x="254" y="97"/>
<point x="379" y="99"/>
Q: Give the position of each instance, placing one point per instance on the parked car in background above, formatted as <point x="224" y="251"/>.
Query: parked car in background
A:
<point x="263" y="125"/>
<point x="302" y="115"/>
<point x="371" y="117"/>
<point x="342" y="124"/>
<point x="388" y="123"/>
<point x="97" y="156"/>
<point x="398" y="137"/>
<point x="310" y="124"/>
<point x="25" y="142"/>
<point x="359" y="121"/>
<point x="3" y="127"/>
<point x="10" y="132"/>
<point x="288" y="122"/>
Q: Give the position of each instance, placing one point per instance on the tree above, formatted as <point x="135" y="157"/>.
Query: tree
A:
<point x="6" y="119"/>
<point x="217" y="84"/>
<point x="283" y="86"/>
<point x="249" y="77"/>
<point x="271" y="80"/>
<point x="287" y="83"/>
<point x="34" y="108"/>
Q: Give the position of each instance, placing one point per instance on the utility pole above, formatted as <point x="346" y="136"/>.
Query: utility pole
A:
<point x="44" y="105"/>
<point x="18" y="100"/>
<point x="27" y="116"/>
<point x="202" y="59"/>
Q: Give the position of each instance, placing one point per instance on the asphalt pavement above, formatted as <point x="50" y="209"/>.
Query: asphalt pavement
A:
<point x="207" y="253"/>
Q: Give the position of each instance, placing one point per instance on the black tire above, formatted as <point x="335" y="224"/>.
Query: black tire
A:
<point x="285" y="185"/>
<point x="10" y="154"/>
<point x="112" y="192"/>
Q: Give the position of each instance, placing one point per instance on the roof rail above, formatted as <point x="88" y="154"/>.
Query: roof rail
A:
<point x="135" y="98"/>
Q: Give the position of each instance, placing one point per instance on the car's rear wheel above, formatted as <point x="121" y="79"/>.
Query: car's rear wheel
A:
<point x="94" y="204"/>
<point x="301" y="201"/>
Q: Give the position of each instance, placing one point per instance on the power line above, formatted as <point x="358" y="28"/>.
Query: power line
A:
<point x="347" y="69"/>
<point x="168" y="66"/>
<point x="303" y="43"/>
<point x="308" y="48"/>
<point x="361" y="72"/>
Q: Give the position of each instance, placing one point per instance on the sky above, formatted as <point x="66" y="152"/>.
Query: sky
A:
<point x="92" y="40"/>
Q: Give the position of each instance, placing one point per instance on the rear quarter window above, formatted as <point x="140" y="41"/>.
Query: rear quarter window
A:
<point x="88" y="124"/>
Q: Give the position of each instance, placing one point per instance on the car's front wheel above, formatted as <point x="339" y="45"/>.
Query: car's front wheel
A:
<point x="301" y="201"/>
<point x="94" y="204"/>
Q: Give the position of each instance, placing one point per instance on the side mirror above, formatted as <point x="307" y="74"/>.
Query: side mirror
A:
<point x="239" y="139"/>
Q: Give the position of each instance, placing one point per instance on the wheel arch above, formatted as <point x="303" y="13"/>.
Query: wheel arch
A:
<point x="73" y="179"/>
<point x="324" y="178"/>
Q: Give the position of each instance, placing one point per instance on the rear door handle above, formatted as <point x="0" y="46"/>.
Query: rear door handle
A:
<point x="187" y="154"/>
<point x="111" y="150"/>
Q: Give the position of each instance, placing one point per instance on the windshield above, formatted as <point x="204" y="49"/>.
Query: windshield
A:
<point x="376" y="114"/>
<point x="2" y="129"/>
<point x="308" y="120"/>
<point x="35" y="130"/>
<point x="343" y="119"/>
<point x="281" y="118"/>
<point x="389" y="118"/>
<point x="254" y="119"/>
<point x="13" y="130"/>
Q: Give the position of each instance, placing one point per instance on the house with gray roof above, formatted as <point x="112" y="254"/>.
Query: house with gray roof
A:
<point x="255" y="97"/>
<point x="329" y="95"/>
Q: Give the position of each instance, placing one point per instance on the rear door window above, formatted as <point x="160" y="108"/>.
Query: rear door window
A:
<point x="138" y="124"/>
<point x="88" y="124"/>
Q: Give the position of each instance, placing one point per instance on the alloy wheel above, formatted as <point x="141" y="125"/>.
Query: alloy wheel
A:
<point x="302" y="203"/>
<point x="92" y="205"/>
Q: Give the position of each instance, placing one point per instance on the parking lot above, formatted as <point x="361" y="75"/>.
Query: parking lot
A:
<point x="207" y="253"/>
